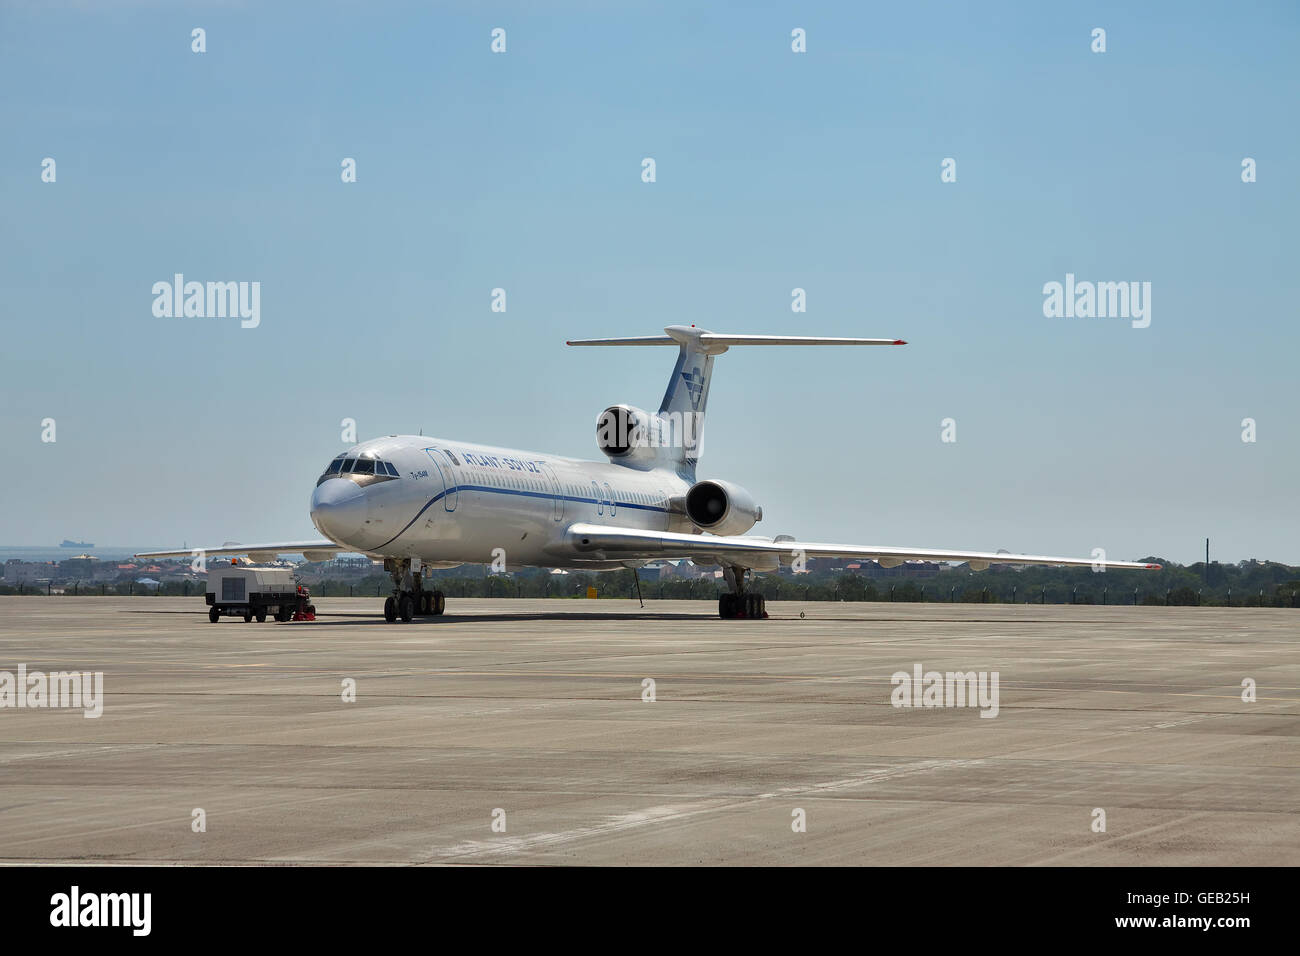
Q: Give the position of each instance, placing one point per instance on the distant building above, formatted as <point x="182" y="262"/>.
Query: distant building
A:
<point x="18" y="571"/>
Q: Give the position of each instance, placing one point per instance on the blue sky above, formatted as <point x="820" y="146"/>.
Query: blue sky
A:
<point x="775" y="170"/>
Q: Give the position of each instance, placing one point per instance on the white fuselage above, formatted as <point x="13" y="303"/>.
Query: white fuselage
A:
<point x="457" y="502"/>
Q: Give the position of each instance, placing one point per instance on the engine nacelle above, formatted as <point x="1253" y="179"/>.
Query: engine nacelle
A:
<point x="628" y="434"/>
<point x="721" y="507"/>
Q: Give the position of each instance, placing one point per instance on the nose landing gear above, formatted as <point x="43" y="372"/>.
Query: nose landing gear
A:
<point x="409" y="597"/>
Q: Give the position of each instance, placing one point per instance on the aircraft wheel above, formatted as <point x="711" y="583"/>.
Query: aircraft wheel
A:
<point x="726" y="606"/>
<point x="248" y="616"/>
<point x="426" y="603"/>
<point x="406" y="607"/>
<point x="439" y="602"/>
<point x="261" y="615"/>
<point x="390" y="609"/>
<point x="213" y="616"/>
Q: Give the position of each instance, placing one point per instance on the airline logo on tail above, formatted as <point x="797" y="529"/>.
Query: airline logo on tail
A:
<point x="694" y="380"/>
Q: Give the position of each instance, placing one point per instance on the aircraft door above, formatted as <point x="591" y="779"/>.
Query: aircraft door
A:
<point x="442" y="464"/>
<point x="557" y="510"/>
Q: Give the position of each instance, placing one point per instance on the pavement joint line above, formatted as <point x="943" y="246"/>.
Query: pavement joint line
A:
<point x="672" y="814"/>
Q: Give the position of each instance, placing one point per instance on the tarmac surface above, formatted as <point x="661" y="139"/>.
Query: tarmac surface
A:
<point x="531" y="713"/>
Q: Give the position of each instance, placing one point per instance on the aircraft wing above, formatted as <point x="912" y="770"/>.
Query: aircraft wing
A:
<point x="261" y="553"/>
<point x="613" y="543"/>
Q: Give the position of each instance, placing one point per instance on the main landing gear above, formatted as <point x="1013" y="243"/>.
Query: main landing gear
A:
<point x="409" y="597"/>
<point x="739" y="603"/>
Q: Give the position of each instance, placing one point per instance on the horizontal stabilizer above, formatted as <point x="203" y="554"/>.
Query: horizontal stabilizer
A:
<point x="635" y="340"/>
<point x="715" y="343"/>
<point x="719" y="338"/>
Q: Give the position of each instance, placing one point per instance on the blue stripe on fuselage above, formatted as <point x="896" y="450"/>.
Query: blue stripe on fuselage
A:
<point x="514" y="491"/>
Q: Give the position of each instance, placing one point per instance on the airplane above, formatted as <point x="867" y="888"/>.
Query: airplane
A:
<point x="419" y="503"/>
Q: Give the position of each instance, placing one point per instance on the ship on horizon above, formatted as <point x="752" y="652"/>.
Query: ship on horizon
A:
<point x="69" y="543"/>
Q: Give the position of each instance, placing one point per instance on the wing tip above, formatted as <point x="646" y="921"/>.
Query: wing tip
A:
<point x="899" y="342"/>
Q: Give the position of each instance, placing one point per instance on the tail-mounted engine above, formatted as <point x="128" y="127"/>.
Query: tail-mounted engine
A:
<point x="628" y="434"/>
<point x="721" y="507"/>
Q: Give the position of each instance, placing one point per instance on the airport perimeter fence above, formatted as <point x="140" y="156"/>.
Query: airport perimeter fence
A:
<point x="842" y="587"/>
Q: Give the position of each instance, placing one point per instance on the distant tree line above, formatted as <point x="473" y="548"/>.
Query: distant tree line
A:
<point x="1250" y="583"/>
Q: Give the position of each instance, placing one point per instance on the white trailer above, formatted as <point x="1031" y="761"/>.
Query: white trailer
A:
<point x="235" y="591"/>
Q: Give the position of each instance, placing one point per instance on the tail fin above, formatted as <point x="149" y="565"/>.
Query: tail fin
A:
<point x="687" y="394"/>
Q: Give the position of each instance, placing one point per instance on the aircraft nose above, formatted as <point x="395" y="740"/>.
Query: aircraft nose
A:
<point x="338" y="509"/>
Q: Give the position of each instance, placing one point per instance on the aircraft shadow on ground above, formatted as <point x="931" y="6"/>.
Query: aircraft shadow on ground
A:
<point x="364" y="618"/>
<point x="361" y="617"/>
<point x="540" y="616"/>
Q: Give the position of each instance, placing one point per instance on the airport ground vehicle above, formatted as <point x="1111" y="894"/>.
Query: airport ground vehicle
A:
<point x="235" y="591"/>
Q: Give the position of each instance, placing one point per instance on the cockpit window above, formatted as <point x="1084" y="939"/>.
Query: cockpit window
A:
<point x="364" y="471"/>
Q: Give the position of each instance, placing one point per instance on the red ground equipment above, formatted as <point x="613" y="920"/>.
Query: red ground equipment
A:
<point x="305" y="611"/>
